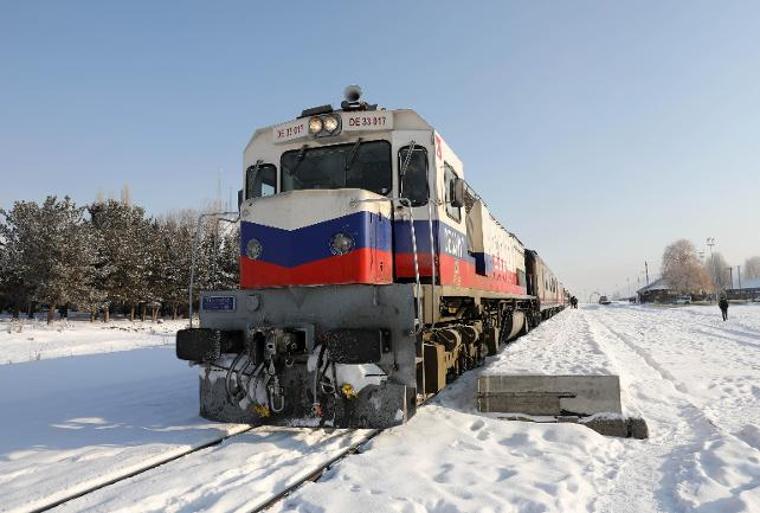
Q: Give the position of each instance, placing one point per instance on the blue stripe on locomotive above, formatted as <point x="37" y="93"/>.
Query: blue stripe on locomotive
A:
<point x="289" y="248"/>
<point x="450" y="240"/>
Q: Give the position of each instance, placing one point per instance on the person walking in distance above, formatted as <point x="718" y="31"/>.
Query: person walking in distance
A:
<point x="723" y="304"/>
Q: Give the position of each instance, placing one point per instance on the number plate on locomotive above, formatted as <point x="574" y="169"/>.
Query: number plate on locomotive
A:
<point x="218" y="303"/>
<point x="367" y="120"/>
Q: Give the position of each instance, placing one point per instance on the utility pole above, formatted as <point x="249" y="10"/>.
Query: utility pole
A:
<point x="731" y="277"/>
<point x="646" y="271"/>
<point x="739" y="275"/>
<point x="710" y="243"/>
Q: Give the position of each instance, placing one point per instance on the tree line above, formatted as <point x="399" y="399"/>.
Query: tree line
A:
<point x="685" y="271"/>
<point x="108" y="257"/>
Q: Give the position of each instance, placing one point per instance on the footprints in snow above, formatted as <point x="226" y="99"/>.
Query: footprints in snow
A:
<point x="482" y="434"/>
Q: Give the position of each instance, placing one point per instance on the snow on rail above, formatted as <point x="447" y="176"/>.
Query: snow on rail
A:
<point x="243" y="474"/>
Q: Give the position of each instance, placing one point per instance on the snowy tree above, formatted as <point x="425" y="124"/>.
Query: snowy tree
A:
<point x="217" y="259"/>
<point x="153" y="269"/>
<point x="50" y="252"/>
<point x="717" y="268"/>
<point x="118" y="258"/>
<point x="751" y="268"/>
<point x="176" y="246"/>
<point x="229" y="255"/>
<point x="124" y="243"/>
<point x="12" y="295"/>
<point x="682" y="269"/>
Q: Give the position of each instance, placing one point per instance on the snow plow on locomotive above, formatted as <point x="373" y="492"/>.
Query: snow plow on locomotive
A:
<point x="370" y="276"/>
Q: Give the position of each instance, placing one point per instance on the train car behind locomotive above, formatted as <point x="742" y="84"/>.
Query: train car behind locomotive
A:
<point x="370" y="275"/>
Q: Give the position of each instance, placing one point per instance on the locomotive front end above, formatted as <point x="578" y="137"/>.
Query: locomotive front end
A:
<point x="318" y="332"/>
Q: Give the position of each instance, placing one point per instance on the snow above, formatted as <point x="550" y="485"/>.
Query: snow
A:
<point x="28" y="340"/>
<point x="239" y="475"/>
<point x="695" y="379"/>
<point x="70" y="423"/>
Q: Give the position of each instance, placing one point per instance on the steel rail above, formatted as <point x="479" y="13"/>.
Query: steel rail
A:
<point x="316" y="473"/>
<point x="136" y="472"/>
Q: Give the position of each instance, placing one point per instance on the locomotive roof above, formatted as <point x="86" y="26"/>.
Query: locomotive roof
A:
<point x="404" y="119"/>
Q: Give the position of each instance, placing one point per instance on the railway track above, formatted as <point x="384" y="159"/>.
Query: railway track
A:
<point x="336" y="445"/>
<point x="315" y="474"/>
<point x="174" y="456"/>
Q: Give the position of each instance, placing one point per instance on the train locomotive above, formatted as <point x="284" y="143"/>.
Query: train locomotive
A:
<point x="371" y="275"/>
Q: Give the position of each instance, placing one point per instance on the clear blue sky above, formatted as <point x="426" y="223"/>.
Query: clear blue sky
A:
<point x="598" y="132"/>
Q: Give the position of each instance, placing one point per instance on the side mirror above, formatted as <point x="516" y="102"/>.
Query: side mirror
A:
<point x="240" y="198"/>
<point x="457" y="193"/>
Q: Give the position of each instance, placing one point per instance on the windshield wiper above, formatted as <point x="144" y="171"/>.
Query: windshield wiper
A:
<point x="352" y="155"/>
<point x="299" y="159"/>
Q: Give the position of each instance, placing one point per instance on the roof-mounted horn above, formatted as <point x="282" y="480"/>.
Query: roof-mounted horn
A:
<point x="352" y="95"/>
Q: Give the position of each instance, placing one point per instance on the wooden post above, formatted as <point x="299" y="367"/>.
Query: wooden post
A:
<point x="51" y="313"/>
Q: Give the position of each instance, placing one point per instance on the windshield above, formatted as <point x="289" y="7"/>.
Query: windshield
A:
<point x="414" y="185"/>
<point x="361" y="165"/>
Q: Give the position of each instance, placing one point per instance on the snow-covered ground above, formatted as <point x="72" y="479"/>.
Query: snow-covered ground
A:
<point x="30" y="340"/>
<point x="70" y="423"/>
<point x="695" y="379"/>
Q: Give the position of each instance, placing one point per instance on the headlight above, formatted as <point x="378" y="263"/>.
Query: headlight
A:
<point x="253" y="249"/>
<point x="341" y="243"/>
<point x="330" y="123"/>
<point x="315" y="125"/>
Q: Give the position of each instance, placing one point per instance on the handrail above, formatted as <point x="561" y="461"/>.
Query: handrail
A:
<point x="418" y="320"/>
<point x="432" y="262"/>
<point x="407" y="203"/>
<point x="195" y="249"/>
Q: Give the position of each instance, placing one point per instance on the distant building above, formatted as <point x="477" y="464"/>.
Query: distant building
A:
<point x="750" y="290"/>
<point x="657" y="292"/>
<point x="660" y="292"/>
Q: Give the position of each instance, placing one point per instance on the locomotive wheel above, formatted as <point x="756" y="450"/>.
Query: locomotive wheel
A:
<point x="506" y="327"/>
<point x="526" y="326"/>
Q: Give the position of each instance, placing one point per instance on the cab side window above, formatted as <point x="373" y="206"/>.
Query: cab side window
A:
<point x="449" y="178"/>
<point x="260" y="182"/>
<point x="413" y="183"/>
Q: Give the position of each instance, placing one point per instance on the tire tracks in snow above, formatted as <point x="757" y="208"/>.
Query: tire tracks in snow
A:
<point x="696" y="439"/>
<point x="725" y="334"/>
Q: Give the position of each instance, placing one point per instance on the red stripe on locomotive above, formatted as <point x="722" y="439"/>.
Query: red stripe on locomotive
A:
<point x="362" y="266"/>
